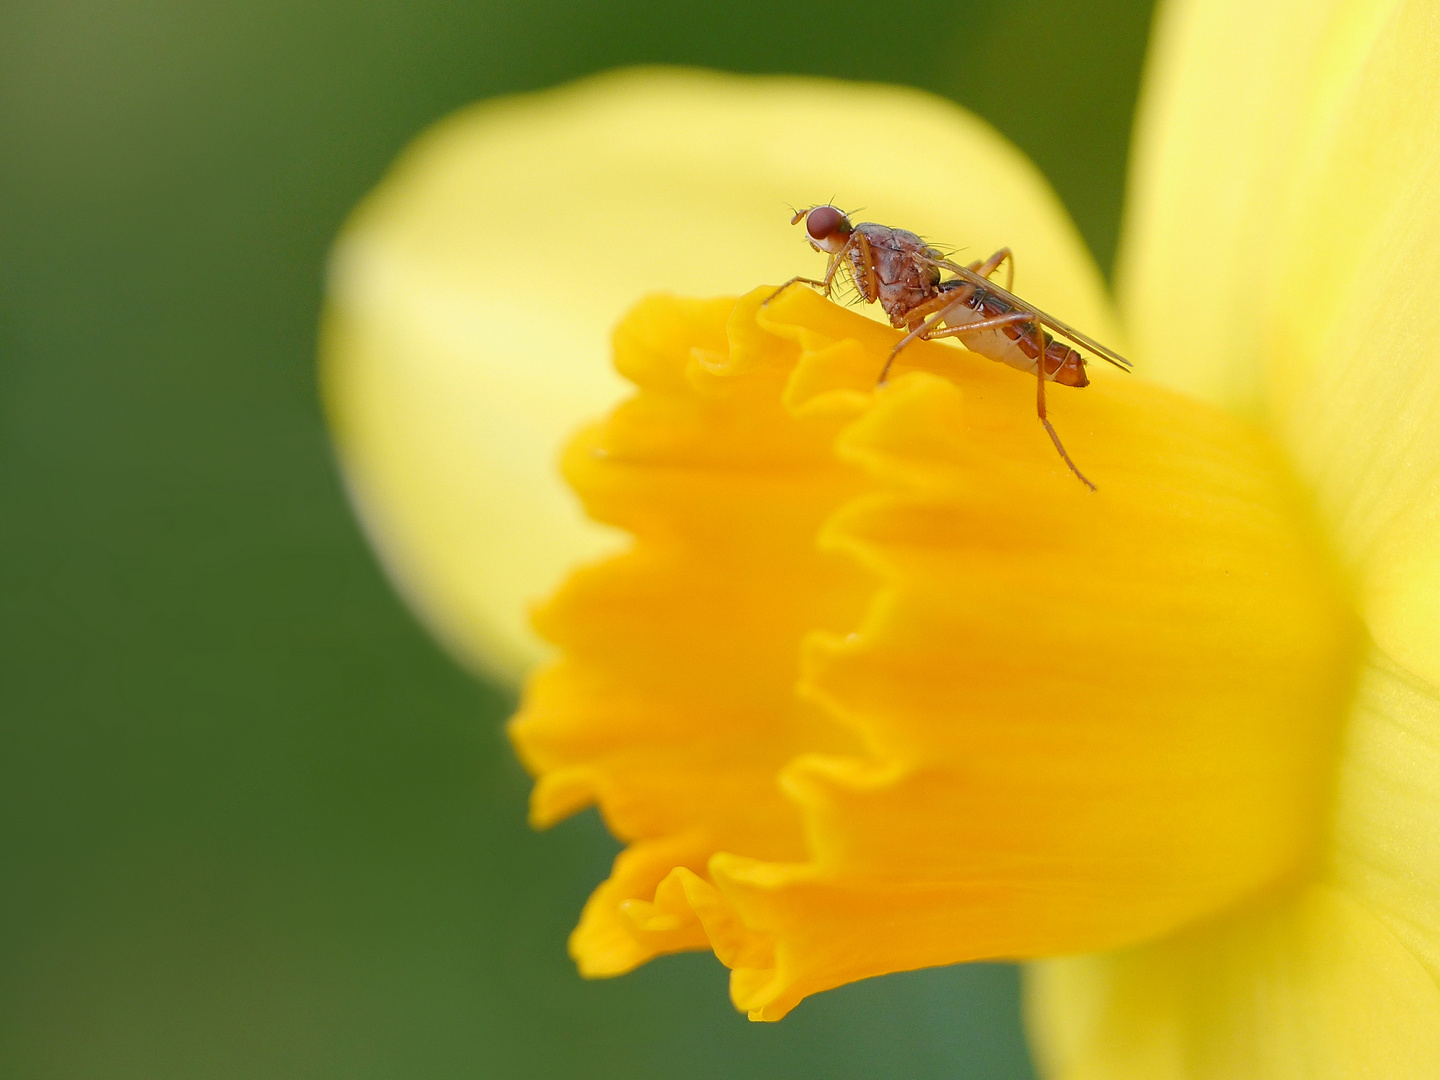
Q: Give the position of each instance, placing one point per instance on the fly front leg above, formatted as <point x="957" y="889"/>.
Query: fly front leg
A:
<point x="824" y="285"/>
<point x="869" y="284"/>
<point x="793" y="281"/>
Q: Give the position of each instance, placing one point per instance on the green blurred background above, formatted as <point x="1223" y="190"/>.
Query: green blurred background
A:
<point x="254" y="823"/>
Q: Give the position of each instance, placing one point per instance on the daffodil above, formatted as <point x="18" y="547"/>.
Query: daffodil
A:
<point x="865" y="680"/>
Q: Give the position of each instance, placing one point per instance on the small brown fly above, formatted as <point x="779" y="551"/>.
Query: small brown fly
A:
<point x="904" y="274"/>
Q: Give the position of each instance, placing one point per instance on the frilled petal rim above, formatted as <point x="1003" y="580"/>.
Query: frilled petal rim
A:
<point x="1029" y="720"/>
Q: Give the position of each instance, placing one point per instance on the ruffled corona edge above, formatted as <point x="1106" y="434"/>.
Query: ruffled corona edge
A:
<point x="880" y="686"/>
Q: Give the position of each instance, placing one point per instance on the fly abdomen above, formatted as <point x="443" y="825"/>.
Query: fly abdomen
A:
<point x="1064" y="365"/>
<point x="1025" y="337"/>
<point x="1022" y="343"/>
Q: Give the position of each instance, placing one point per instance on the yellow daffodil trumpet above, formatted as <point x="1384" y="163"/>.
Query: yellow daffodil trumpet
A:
<point x="912" y="697"/>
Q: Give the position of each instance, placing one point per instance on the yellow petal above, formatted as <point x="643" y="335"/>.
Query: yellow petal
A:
<point x="1338" y="982"/>
<point x="1385" y="848"/>
<point x="1236" y="96"/>
<point x="1029" y="720"/>
<point x="1314" y="989"/>
<point x="1355" y="375"/>
<point x="1340" y="347"/>
<point x="471" y="296"/>
<point x="1280" y="258"/>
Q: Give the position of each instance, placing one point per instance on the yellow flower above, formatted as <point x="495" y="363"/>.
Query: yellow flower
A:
<point x="877" y="684"/>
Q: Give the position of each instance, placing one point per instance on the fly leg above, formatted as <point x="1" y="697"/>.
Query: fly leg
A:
<point x="824" y="286"/>
<point x="994" y="322"/>
<point x="831" y="269"/>
<point x="926" y="331"/>
<point x="870" y="285"/>
<point x="1040" y="411"/>
<point x="1012" y="318"/>
<point x="795" y="281"/>
<point x="990" y="265"/>
<point x="919" y="332"/>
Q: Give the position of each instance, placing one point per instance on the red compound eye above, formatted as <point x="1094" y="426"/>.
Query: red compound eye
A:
<point x="825" y="221"/>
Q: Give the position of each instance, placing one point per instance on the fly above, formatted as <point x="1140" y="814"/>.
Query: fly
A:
<point x="906" y="276"/>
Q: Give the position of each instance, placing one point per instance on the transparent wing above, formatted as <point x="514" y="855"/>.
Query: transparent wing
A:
<point x="1063" y="329"/>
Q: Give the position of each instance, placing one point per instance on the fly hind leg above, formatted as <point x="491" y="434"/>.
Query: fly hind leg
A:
<point x="1040" y="412"/>
<point x="996" y="322"/>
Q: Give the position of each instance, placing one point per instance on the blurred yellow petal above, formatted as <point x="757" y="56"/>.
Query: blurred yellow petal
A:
<point x="1355" y="375"/>
<point x="1356" y="393"/>
<point x="1030" y="719"/>
<point x="1313" y="989"/>
<point x="1236" y="97"/>
<point x="1385" y="849"/>
<point x="472" y="294"/>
